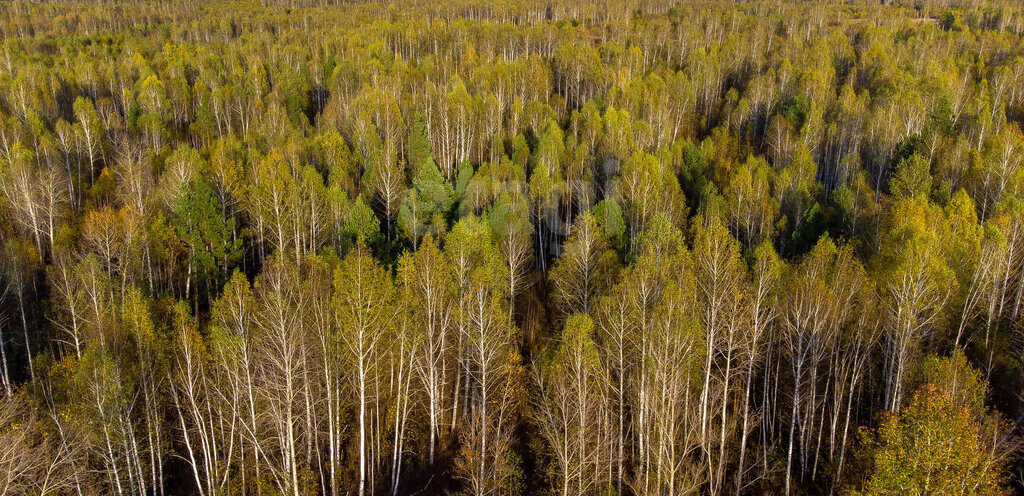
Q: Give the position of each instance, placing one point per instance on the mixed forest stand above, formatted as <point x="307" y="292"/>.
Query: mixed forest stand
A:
<point x="498" y="248"/>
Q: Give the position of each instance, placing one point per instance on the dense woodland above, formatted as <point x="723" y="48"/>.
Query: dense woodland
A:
<point x="503" y="248"/>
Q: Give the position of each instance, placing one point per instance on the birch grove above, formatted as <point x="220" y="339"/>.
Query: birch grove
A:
<point x="623" y="247"/>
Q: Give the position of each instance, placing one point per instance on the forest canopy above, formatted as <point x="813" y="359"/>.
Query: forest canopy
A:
<point x="511" y="247"/>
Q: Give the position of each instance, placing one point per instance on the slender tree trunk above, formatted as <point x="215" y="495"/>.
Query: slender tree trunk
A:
<point x="24" y="327"/>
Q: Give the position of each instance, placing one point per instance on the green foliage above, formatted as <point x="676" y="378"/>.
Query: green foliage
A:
<point x="419" y="147"/>
<point x="693" y="175"/>
<point x="426" y="205"/>
<point x="608" y="214"/>
<point x="810" y="228"/>
<point x="213" y="248"/>
<point x="797" y="110"/>
<point x="362" y="224"/>
<point x="948" y="20"/>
